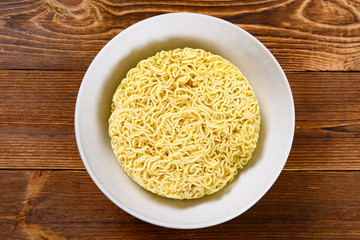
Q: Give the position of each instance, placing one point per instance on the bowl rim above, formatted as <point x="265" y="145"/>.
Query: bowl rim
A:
<point x="147" y="219"/>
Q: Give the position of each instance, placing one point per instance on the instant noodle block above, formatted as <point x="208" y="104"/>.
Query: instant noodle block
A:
<point x="183" y="123"/>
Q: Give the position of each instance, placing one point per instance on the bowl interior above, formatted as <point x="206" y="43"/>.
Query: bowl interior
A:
<point x="167" y="32"/>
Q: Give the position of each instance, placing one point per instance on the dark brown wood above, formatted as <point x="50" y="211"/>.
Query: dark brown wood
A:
<point x="55" y="204"/>
<point x="67" y="34"/>
<point x="327" y="134"/>
<point x="46" y="47"/>
<point x="37" y="119"/>
<point x="37" y="116"/>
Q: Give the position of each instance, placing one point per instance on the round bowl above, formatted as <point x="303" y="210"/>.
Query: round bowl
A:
<point x="166" y="32"/>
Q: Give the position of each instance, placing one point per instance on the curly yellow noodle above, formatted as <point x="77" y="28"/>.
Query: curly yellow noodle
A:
<point x="183" y="122"/>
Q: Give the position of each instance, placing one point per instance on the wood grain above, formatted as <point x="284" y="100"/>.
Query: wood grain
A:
<point x="67" y="204"/>
<point x="37" y="119"/>
<point x="45" y="48"/>
<point x="67" y="34"/>
<point x="37" y="116"/>
<point x="327" y="133"/>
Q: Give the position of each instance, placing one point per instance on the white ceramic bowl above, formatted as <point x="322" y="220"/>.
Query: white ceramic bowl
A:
<point x="166" y="32"/>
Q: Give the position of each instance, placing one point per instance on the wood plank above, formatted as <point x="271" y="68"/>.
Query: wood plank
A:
<point x="67" y="34"/>
<point x="37" y="112"/>
<point x="37" y="119"/>
<point x="327" y="133"/>
<point x="67" y="204"/>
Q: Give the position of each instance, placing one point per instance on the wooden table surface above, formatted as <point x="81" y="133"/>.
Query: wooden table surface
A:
<point x="46" y="47"/>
